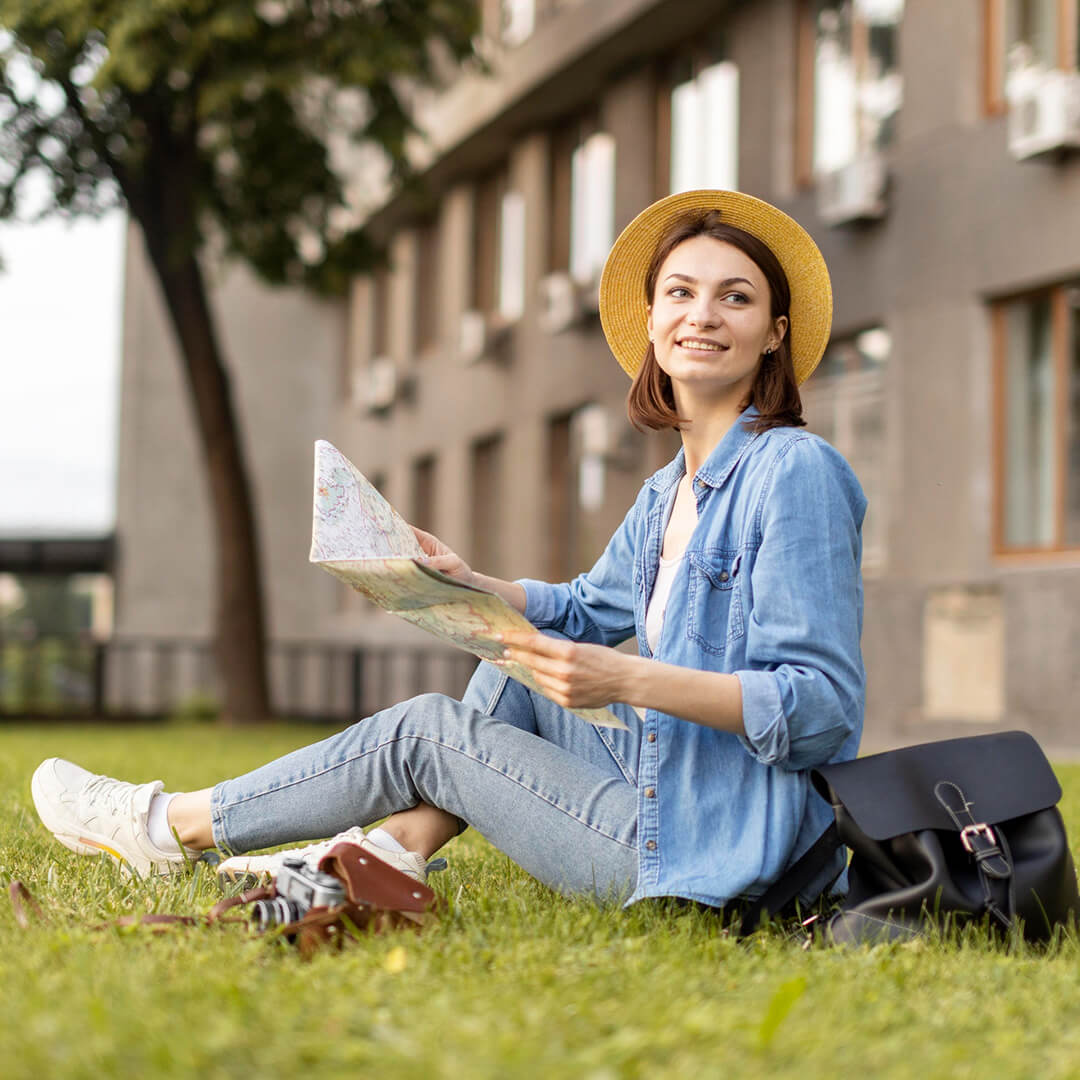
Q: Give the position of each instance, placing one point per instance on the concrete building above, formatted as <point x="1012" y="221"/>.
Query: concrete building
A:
<point x="925" y="145"/>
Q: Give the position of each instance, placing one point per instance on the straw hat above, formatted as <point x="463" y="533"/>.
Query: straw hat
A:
<point x="623" y="309"/>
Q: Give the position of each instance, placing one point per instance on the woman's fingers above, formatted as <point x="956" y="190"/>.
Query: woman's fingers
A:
<point x="571" y="674"/>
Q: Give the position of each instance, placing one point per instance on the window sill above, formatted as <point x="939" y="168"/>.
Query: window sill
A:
<point x="1032" y="558"/>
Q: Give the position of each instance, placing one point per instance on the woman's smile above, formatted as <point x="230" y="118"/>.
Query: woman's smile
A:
<point x="700" y="345"/>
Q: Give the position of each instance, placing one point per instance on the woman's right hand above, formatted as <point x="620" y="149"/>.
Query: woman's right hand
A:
<point x="441" y="558"/>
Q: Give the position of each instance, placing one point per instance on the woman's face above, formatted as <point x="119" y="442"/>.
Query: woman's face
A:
<point x="710" y="319"/>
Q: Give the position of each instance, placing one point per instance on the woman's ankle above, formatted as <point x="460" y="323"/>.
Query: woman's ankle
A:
<point x="423" y="829"/>
<point x="189" y="817"/>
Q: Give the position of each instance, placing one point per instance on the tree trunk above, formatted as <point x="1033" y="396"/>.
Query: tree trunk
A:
<point x="240" y="632"/>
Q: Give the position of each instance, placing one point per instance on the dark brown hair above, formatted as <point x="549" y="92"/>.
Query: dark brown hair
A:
<point x="774" y="391"/>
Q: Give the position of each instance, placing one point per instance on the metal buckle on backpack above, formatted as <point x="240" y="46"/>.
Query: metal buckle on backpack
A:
<point x="980" y="829"/>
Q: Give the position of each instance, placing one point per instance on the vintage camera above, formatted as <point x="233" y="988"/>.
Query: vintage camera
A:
<point x="299" y="888"/>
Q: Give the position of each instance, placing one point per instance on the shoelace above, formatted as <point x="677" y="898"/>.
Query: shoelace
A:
<point x="117" y="795"/>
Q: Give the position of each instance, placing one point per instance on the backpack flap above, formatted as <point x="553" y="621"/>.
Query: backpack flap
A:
<point x="1002" y="776"/>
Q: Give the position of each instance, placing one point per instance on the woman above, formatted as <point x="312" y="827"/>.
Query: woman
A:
<point x="737" y="568"/>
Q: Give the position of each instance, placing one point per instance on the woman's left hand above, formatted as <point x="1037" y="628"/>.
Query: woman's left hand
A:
<point x="574" y="675"/>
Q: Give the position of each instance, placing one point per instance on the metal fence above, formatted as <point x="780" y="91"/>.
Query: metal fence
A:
<point x="68" y="677"/>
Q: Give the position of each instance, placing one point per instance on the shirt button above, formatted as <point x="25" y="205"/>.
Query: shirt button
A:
<point x="724" y="575"/>
<point x="650" y="844"/>
<point x="650" y="793"/>
<point x="652" y="736"/>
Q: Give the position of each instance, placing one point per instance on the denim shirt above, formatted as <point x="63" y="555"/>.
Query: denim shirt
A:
<point x="770" y="590"/>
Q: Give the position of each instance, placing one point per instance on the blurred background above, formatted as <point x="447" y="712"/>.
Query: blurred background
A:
<point x="929" y="148"/>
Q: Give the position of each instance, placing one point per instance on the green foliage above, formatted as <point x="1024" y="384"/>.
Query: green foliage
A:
<point x="219" y="118"/>
<point x="50" y="606"/>
<point x="196" y="707"/>
<point x="514" y="982"/>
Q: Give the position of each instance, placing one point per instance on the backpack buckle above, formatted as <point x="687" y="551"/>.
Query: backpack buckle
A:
<point x="969" y="832"/>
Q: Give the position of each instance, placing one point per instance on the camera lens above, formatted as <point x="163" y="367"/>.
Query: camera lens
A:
<point x="266" y="914"/>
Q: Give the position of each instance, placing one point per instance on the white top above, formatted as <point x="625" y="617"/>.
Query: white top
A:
<point x="654" y="613"/>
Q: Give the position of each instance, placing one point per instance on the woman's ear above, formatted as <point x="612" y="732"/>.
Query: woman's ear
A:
<point x="648" y="321"/>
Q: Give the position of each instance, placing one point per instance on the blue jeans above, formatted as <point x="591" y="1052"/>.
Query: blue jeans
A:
<point x="556" y="794"/>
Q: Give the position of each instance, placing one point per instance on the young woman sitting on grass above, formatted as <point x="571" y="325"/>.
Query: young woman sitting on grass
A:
<point x="737" y="568"/>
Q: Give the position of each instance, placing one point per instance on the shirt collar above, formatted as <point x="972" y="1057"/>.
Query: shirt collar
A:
<point x="719" y="464"/>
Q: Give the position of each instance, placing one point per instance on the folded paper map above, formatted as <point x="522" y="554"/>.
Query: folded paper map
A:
<point x="358" y="537"/>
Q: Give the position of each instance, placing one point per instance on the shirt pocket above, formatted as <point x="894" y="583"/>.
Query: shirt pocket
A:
<point x="713" y="599"/>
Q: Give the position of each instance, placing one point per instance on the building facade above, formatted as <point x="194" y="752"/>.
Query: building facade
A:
<point x="928" y="148"/>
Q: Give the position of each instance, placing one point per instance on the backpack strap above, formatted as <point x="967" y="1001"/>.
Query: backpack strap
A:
<point x="797" y="876"/>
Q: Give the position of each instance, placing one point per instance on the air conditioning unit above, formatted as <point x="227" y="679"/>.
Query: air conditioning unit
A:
<point x="376" y="387"/>
<point x="1044" y="114"/>
<point x="854" y="193"/>
<point x="565" y="302"/>
<point x="480" y="336"/>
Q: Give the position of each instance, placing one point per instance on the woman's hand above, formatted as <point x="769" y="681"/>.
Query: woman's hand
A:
<point x="440" y="557"/>
<point x="574" y="675"/>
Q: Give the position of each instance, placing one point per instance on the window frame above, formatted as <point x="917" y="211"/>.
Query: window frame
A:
<point x="1059" y="348"/>
<point x="427" y="280"/>
<point x="993" y="28"/>
<point x="805" y="104"/>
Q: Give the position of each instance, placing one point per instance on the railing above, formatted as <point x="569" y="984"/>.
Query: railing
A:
<point x="66" y="677"/>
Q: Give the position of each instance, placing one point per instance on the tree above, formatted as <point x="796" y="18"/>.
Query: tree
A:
<point x="215" y="122"/>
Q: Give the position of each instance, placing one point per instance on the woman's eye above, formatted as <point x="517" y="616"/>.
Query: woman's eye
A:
<point x="738" y="297"/>
<point x="678" y="292"/>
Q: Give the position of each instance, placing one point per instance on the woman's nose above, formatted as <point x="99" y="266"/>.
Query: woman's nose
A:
<point x="703" y="315"/>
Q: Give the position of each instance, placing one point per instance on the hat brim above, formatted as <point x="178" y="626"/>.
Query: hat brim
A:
<point x="623" y="306"/>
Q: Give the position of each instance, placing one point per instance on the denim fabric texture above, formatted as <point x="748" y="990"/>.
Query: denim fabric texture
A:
<point x="771" y="591"/>
<point x="534" y="779"/>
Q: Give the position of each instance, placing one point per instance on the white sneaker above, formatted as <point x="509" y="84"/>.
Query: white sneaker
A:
<point x="95" y="815"/>
<point x="253" y="869"/>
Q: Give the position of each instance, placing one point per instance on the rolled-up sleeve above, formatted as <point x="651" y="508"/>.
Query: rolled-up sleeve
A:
<point x="803" y="686"/>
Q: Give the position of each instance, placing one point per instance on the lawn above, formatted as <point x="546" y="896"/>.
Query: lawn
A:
<point x="513" y="982"/>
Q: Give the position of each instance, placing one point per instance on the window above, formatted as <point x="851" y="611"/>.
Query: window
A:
<point x="1025" y="38"/>
<point x="592" y="205"/>
<point x="422" y="513"/>
<point x="487" y="196"/>
<point x="486" y="501"/>
<point x="561" y="515"/>
<point x="1037" y="419"/>
<point x="498" y="282"/>
<point x="704" y="122"/>
<point x="380" y="314"/>
<point x="564" y="140"/>
<point x="845" y="404"/>
<point x="581" y="197"/>
<point x="518" y="20"/>
<point x="511" y="283"/>
<point x="850" y="86"/>
<point x="427" y="296"/>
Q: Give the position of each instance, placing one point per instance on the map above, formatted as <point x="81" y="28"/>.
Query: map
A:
<point x="357" y="536"/>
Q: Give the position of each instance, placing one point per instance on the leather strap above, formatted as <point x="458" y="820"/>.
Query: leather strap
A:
<point x="380" y="898"/>
<point x="978" y="837"/>
<point x="981" y="842"/>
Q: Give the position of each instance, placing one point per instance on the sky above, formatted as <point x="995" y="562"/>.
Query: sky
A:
<point x="60" y="314"/>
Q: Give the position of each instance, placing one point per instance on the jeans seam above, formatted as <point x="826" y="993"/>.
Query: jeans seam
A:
<point x="497" y="693"/>
<point x="623" y="767"/>
<point x="453" y="749"/>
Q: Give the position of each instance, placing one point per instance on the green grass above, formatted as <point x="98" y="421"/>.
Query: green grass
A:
<point x="513" y="982"/>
